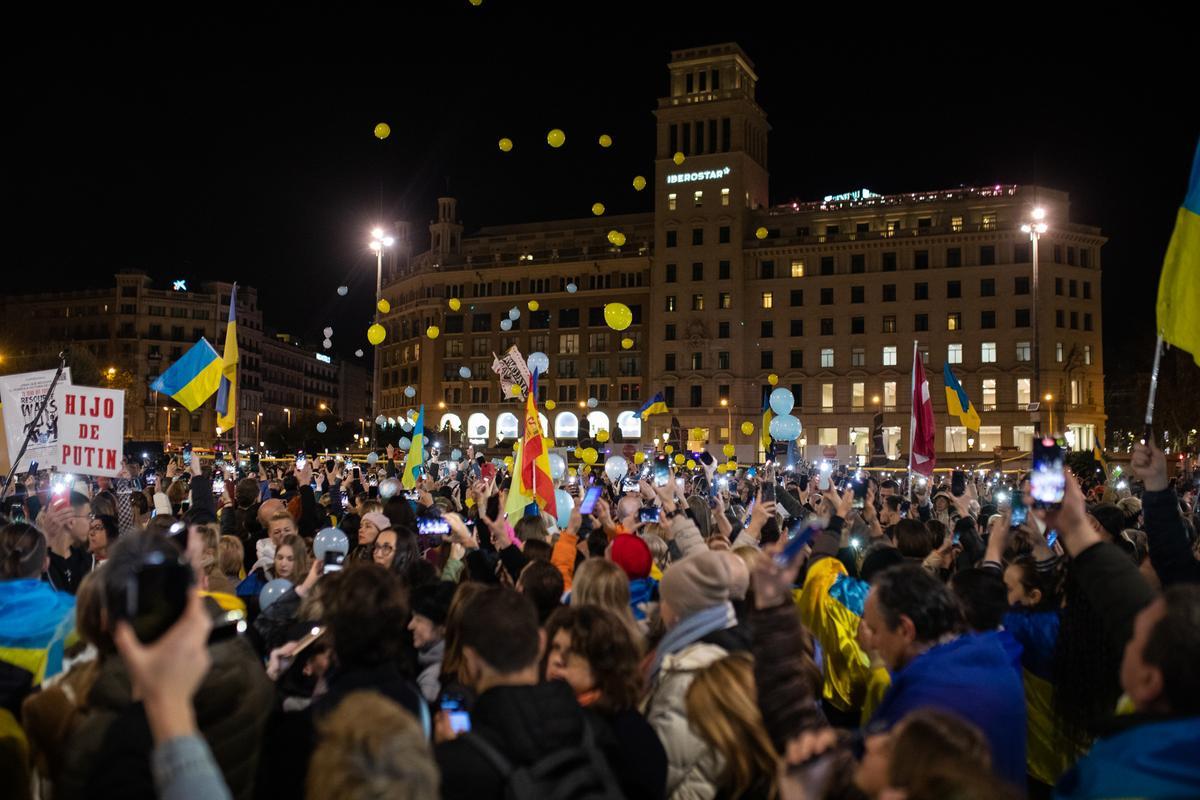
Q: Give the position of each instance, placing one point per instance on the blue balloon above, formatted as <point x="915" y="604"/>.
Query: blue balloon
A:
<point x="539" y="361"/>
<point x="782" y="401"/>
<point x="464" y="372"/>
<point x="273" y="591"/>
<point x="322" y="427"/>
<point x="456" y="454"/>
<point x="330" y="540"/>
<point x="506" y="324"/>
<point x="785" y="428"/>
<point x="514" y="313"/>
<point x="404" y="443"/>
<point x="572" y="288"/>
<point x="564" y="504"/>
<point x="410" y="391"/>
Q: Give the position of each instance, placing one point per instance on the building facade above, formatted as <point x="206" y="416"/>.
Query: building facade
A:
<point x="136" y="331"/>
<point x="726" y="290"/>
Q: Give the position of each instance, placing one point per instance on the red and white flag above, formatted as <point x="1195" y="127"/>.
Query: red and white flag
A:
<point x="921" y="452"/>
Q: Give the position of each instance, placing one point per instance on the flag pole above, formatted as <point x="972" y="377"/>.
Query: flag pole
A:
<point x="1158" y="346"/>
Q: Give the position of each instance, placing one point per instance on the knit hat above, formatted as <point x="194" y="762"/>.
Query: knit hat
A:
<point x="695" y="583"/>
<point x="631" y="554"/>
<point x="432" y="601"/>
<point x="378" y="519"/>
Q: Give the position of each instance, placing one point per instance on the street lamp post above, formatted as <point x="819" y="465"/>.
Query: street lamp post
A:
<point x="379" y="240"/>
<point x="288" y="411"/>
<point x="258" y="425"/>
<point x="728" y="416"/>
<point x="362" y="428"/>
<point x="1035" y="228"/>
<point x="1049" y="398"/>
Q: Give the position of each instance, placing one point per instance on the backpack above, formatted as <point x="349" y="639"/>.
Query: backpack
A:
<point x="575" y="772"/>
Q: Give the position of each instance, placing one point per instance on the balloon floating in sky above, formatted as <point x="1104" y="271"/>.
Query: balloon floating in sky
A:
<point x="381" y="421"/>
<point x="728" y="450"/>
<point x="679" y="459"/>
<point x="534" y="305"/>
<point x="639" y="183"/>
<point x="358" y="353"/>
<point x="455" y="304"/>
<point x="747" y="428"/>
<point x="433" y="332"/>
<point x="405" y="443"/>
<point x="572" y="288"/>
<point x="383" y="130"/>
<point x="616" y="237"/>
<point x="506" y="324"/>
<point x="328" y="343"/>
<point x="782" y="401"/>
<point x="550" y="405"/>
<point x="761" y="233"/>
<point x="516" y="390"/>
<point x="677" y="158"/>
<point x="605" y="140"/>
<point x="639" y="457"/>
<point x="505" y="145"/>
<point x="626" y="344"/>
<point x="376" y="334"/>
<point x="410" y="392"/>
<point x="618" y="316"/>
<point x="476" y="2"/>
<point x="322" y="427"/>
<point x="328" y="332"/>
<point x="384" y="306"/>
<point x="592" y="402"/>
<point x="602" y="436"/>
<point x="343" y="291"/>
<point x="514" y="313"/>
<point x="773" y="379"/>
<point x="597" y="208"/>
<point x="372" y="458"/>
<point x="539" y="361"/>
<point x="464" y="372"/>
<point x="556" y="138"/>
<point x="669" y="449"/>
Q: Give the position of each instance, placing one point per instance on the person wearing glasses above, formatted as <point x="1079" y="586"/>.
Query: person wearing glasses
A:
<point x="67" y="527"/>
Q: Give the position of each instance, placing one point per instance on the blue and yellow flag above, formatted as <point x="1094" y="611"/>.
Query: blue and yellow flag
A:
<point x="765" y="433"/>
<point x="416" y="453"/>
<point x="227" y="393"/>
<point x="655" y="405"/>
<point x="192" y="379"/>
<point x="1179" y="285"/>
<point x="957" y="402"/>
<point x="1098" y="455"/>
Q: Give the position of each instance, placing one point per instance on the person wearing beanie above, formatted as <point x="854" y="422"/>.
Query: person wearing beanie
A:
<point x="372" y="524"/>
<point x="629" y="552"/>
<point x="430" y="605"/>
<point x="694" y="599"/>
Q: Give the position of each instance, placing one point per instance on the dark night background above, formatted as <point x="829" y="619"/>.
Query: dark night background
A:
<point x="242" y="148"/>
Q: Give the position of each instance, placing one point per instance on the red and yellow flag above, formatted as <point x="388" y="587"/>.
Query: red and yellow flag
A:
<point x="535" y="460"/>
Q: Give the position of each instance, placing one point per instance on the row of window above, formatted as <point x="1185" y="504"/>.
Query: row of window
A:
<point x="858" y="325"/>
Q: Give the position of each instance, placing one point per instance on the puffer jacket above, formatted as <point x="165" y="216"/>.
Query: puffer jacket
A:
<point x="693" y="768"/>
<point x="108" y="755"/>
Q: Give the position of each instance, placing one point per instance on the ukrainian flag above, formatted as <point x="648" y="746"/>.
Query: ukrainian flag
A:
<point x="416" y="453"/>
<point x="1179" y="285"/>
<point x="957" y="402"/>
<point x="764" y="433"/>
<point x="655" y="405"/>
<point x="1098" y="455"/>
<point x="192" y="379"/>
<point x="227" y="393"/>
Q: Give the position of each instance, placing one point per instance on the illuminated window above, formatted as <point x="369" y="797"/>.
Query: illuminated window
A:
<point x="724" y="197"/>
<point x="768" y="300"/>
<point x="827" y="397"/>
<point x="698" y="199"/>
<point x="827" y="357"/>
<point x="956" y="224"/>
<point x="1023" y="391"/>
<point x="989" y="394"/>
<point x="889" y="394"/>
<point x="671" y="201"/>
<point x="987" y="352"/>
<point x="1024" y="351"/>
<point x="889" y="356"/>
<point x="954" y="321"/>
<point x="954" y="354"/>
<point x="797" y="267"/>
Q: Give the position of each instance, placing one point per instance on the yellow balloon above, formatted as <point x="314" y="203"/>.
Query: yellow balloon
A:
<point x="534" y="305"/>
<point x="383" y="130"/>
<point x="602" y="436"/>
<point x="618" y="316"/>
<point x="728" y="450"/>
<point x="376" y="333"/>
<point x="677" y="158"/>
<point x="605" y="140"/>
<point x="550" y="404"/>
<point x="505" y="145"/>
<point x="627" y="344"/>
<point x="572" y="472"/>
<point x="747" y="428"/>
<point x="515" y="391"/>
<point x="639" y="183"/>
<point x="616" y="237"/>
<point x="773" y="379"/>
<point x="589" y="455"/>
<point x="455" y="304"/>
<point x="761" y="233"/>
<point x="691" y="464"/>
<point x="639" y="457"/>
<point x="555" y="138"/>
<point x="384" y="306"/>
<point x="433" y="332"/>
<point x="669" y="449"/>
<point x="731" y="466"/>
<point x="476" y="2"/>
<point x="597" y="208"/>
<point x="508" y="462"/>
<point x="695" y="434"/>
<point x="679" y="459"/>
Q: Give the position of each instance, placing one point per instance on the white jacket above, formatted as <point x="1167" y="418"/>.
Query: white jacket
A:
<point x="693" y="768"/>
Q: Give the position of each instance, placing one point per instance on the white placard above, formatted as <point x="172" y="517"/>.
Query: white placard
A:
<point x="91" y="430"/>
<point x="22" y="395"/>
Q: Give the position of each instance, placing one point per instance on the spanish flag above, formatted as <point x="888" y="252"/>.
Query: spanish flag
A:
<point x="655" y="405"/>
<point x="193" y="378"/>
<point x="1179" y="285"/>
<point x="957" y="402"/>
<point x="416" y="453"/>
<point x="531" y="481"/>
<point x="227" y="393"/>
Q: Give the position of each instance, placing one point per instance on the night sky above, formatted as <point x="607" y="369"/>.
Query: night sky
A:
<point x="244" y="150"/>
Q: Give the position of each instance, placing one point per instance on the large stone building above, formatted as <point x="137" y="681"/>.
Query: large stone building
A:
<point x="139" y="330"/>
<point x="727" y="289"/>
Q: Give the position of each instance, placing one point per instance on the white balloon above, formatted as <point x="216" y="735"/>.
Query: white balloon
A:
<point x="506" y="324"/>
<point x="572" y="288"/>
<point x="405" y="443"/>
<point x="372" y="458"/>
<point x="410" y="392"/>
<point x="616" y="467"/>
<point x="328" y="332"/>
<point x="456" y="454"/>
<point x="558" y="466"/>
<point x="328" y="343"/>
<point x="464" y="372"/>
<point x="331" y="540"/>
<point x="358" y="353"/>
<point x="592" y="402"/>
<point x="389" y="488"/>
<point x="272" y="591"/>
<point x="381" y="420"/>
<point x="539" y="361"/>
<point x="514" y="313"/>
<point x="343" y="290"/>
<point x="322" y="427"/>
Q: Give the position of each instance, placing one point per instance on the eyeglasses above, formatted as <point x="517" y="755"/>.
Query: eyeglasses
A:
<point x="385" y="548"/>
<point x="83" y="516"/>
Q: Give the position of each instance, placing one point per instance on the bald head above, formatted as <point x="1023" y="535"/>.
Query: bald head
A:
<point x="627" y="510"/>
<point x="268" y="509"/>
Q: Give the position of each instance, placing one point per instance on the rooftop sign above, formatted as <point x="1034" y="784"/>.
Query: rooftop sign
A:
<point x="699" y="175"/>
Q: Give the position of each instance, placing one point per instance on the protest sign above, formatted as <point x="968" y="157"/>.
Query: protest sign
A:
<point x="21" y="396"/>
<point x="91" y="431"/>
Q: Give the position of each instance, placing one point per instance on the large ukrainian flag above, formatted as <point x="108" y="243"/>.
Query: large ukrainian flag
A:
<point x="957" y="402"/>
<point x="192" y="379"/>
<point x="1179" y="286"/>
<point x="227" y="392"/>
<point x="655" y="405"/>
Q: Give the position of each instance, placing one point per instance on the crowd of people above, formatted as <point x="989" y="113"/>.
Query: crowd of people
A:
<point x="770" y="633"/>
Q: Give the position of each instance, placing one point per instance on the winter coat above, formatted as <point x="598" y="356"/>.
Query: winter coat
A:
<point x="429" y="662"/>
<point x="1149" y="757"/>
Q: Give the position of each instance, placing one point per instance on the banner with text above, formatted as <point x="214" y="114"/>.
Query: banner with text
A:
<point x="21" y="395"/>
<point x="91" y="430"/>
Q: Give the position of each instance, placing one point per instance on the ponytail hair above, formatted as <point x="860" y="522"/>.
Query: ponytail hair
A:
<point x="22" y="551"/>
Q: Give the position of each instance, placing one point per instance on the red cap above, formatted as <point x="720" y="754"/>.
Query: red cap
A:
<point x="631" y="554"/>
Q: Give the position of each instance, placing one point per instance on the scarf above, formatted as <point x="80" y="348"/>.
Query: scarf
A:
<point x="691" y="630"/>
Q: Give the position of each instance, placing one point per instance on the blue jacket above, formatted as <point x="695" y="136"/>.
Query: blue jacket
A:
<point x="973" y="677"/>
<point x="1037" y="631"/>
<point x="1151" y="759"/>
<point x="641" y="591"/>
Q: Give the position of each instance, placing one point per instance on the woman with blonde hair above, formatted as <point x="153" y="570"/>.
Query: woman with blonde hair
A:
<point x="600" y="582"/>
<point x="722" y="708"/>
